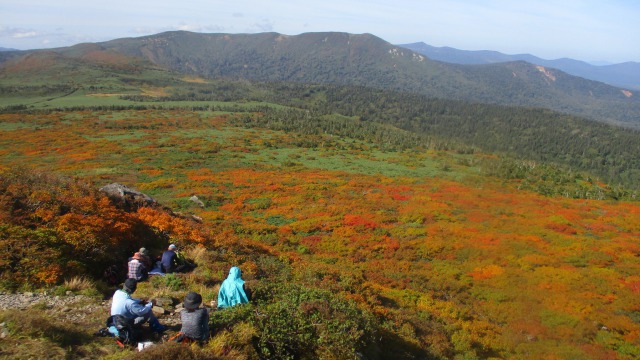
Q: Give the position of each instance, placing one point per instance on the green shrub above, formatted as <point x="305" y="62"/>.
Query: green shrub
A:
<point x="302" y="323"/>
<point x="170" y="281"/>
<point x="293" y="322"/>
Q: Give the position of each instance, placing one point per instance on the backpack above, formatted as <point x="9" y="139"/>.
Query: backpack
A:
<point x="123" y="330"/>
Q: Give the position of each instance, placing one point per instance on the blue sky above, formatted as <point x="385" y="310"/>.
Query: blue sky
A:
<point x="590" y="30"/>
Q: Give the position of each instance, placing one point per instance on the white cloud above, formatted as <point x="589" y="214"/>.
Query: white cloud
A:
<point x="17" y="33"/>
<point x="22" y="35"/>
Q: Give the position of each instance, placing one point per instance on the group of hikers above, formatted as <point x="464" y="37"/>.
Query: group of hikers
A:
<point x="195" y="319"/>
<point x="140" y="265"/>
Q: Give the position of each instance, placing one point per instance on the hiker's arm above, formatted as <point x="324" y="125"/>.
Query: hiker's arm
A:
<point x="138" y="309"/>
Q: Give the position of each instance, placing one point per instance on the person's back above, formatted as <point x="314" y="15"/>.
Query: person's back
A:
<point x="145" y="258"/>
<point x="232" y="291"/>
<point x="169" y="259"/>
<point x="137" y="270"/>
<point x="133" y="309"/>
<point x="195" y="320"/>
<point x="119" y="303"/>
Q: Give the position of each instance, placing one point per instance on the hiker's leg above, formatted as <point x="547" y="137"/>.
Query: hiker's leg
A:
<point x="154" y="323"/>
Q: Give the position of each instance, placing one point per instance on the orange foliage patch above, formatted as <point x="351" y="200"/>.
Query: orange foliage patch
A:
<point x="486" y="272"/>
<point x="359" y="221"/>
<point x="562" y="228"/>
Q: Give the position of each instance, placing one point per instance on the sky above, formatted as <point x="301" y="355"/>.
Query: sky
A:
<point x="588" y="30"/>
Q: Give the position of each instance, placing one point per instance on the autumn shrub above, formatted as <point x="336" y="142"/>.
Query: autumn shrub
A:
<point x="52" y="226"/>
<point x="29" y="256"/>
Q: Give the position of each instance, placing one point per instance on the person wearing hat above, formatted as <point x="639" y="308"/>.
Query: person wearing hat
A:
<point x="137" y="269"/>
<point x="232" y="291"/>
<point x="169" y="260"/>
<point x="173" y="261"/>
<point x="145" y="258"/>
<point x="195" y="320"/>
<point x="134" y="309"/>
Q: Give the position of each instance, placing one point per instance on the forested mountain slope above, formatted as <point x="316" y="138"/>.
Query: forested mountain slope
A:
<point x="625" y="75"/>
<point x="366" y="60"/>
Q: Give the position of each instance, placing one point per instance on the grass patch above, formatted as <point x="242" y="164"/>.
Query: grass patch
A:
<point x="37" y="325"/>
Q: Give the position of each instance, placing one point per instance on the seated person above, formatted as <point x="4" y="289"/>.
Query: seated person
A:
<point x="137" y="270"/>
<point x="134" y="309"/>
<point x="232" y="291"/>
<point x="169" y="262"/>
<point x="195" y="320"/>
<point x="172" y="261"/>
<point x="145" y="258"/>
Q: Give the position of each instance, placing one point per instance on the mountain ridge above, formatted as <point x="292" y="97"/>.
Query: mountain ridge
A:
<point x="366" y="60"/>
<point x="625" y="74"/>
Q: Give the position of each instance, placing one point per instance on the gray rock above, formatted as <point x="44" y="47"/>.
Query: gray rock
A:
<point x="158" y="310"/>
<point x="131" y="198"/>
<point x="164" y="301"/>
<point x="197" y="201"/>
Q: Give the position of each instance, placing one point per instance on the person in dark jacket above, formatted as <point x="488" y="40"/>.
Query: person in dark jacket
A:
<point x="170" y="260"/>
<point x="173" y="261"/>
<point x="195" y="320"/>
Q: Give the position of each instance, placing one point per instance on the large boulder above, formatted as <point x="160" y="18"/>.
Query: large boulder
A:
<point x="126" y="197"/>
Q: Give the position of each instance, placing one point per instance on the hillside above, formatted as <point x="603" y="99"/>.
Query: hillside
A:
<point x="427" y="253"/>
<point x="90" y="77"/>
<point x="365" y="60"/>
<point x="624" y="75"/>
<point x="368" y="223"/>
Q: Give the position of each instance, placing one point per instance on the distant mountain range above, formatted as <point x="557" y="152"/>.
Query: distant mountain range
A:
<point x="625" y="75"/>
<point x="360" y="60"/>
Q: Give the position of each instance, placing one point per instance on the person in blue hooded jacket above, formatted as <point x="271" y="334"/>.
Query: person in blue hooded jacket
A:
<point x="232" y="291"/>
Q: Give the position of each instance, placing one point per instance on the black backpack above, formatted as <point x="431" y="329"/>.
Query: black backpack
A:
<point x="127" y="332"/>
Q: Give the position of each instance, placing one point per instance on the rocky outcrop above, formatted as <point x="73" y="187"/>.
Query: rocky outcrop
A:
<point x="127" y="198"/>
<point x="197" y="201"/>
